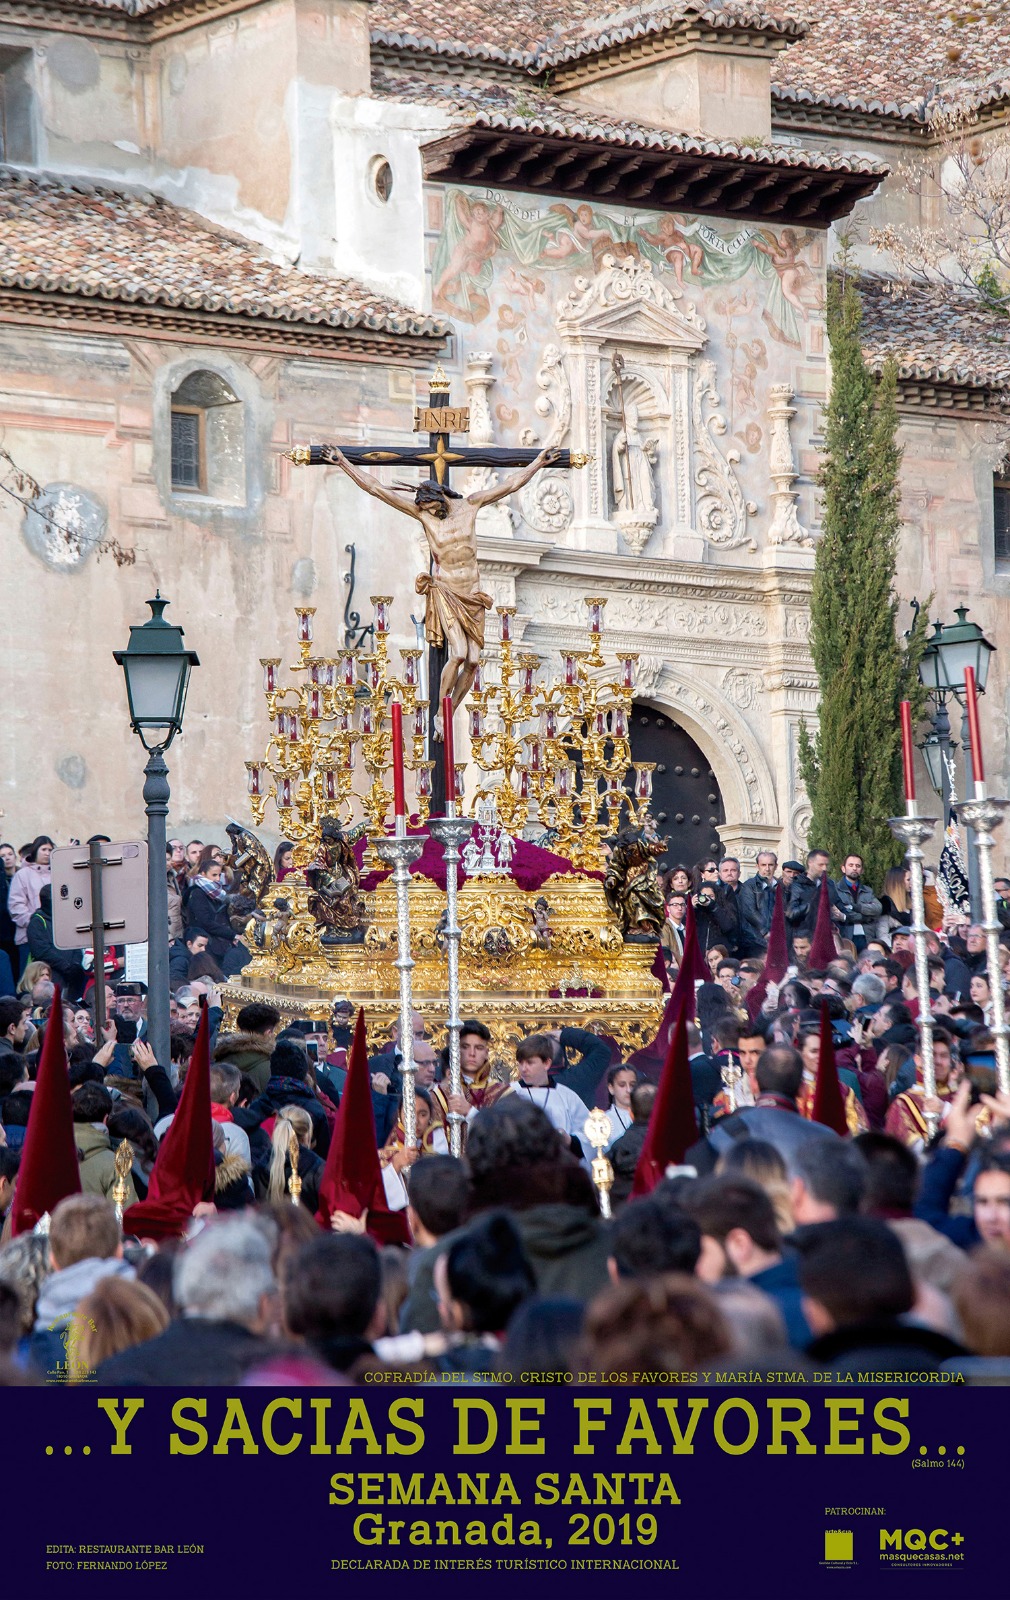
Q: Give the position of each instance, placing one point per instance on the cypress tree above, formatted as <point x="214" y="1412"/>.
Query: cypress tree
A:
<point x="852" y="766"/>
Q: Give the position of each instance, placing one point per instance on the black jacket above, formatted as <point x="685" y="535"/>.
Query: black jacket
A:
<point x="586" y="1076"/>
<point x="178" y="962"/>
<point x="66" y="965"/>
<point x="757" y="902"/>
<point x="623" y="1157"/>
<point x="801" y="906"/>
<point x="281" y="1092"/>
<point x="310" y="1169"/>
<point x="211" y="917"/>
<point x="192" y="1350"/>
<point x="7" y="929"/>
<point x="885" y="1346"/>
<point x="717" y="920"/>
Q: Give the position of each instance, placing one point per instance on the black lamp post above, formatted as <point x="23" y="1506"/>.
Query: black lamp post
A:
<point x="950" y="649"/>
<point x="156" y="666"/>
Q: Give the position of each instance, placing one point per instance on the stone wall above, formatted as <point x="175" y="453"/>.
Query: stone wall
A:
<point x="719" y="328"/>
<point x="88" y="419"/>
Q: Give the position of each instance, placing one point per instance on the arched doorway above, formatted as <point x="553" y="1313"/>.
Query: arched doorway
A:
<point x="686" y="801"/>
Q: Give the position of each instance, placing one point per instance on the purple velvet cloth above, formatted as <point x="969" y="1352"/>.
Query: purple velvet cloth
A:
<point x="531" y="866"/>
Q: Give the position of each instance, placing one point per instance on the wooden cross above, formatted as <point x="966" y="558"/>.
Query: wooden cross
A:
<point x="440" y="421"/>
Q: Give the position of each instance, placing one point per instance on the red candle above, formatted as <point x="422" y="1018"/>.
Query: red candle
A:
<point x="977" y="764"/>
<point x="396" y="717"/>
<point x="906" y="748"/>
<point x="448" y="752"/>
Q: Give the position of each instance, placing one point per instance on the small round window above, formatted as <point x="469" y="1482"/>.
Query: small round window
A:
<point x="382" y="179"/>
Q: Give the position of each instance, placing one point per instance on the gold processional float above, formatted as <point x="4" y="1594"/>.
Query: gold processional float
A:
<point x="553" y="756"/>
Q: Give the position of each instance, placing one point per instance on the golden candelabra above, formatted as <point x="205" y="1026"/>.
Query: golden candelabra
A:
<point x="500" y="714"/>
<point x="599" y="1131"/>
<point x="564" y="746"/>
<point x="123" y="1163"/>
<point x="295" y="1180"/>
<point x="551" y="749"/>
<point x="336" y="706"/>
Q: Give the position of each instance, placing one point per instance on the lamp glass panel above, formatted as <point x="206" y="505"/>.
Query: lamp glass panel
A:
<point x="156" y="685"/>
<point x="956" y="657"/>
<point x="932" y="755"/>
<point x="930" y="672"/>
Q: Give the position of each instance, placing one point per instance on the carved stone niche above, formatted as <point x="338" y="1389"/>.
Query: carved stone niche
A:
<point x="663" y="440"/>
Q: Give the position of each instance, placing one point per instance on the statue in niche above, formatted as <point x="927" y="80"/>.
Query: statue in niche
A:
<point x="633" y="460"/>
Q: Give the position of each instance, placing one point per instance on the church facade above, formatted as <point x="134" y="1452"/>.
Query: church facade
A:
<point x="232" y="227"/>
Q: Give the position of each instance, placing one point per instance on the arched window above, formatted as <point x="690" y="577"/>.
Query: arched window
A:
<point x="208" y="439"/>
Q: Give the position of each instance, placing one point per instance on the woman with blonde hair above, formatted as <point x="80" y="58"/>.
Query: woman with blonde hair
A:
<point x="35" y="972"/>
<point x="761" y="1161"/>
<point x="116" y="1315"/>
<point x="292" y="1121"/>
<point x="895" y="903"/>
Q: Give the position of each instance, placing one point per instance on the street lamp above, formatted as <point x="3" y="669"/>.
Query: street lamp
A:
<point x="949" y="651"/>
<point x="156" y="666"/>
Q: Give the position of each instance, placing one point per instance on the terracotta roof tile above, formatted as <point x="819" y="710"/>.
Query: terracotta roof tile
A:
<point x="902" y="56"/>
<point x="898" y="58"/>
<point x="540" y="35"/>
<point x="68" y="237"/>
<point x="543" y="34"/>
<point x="516" y="108"/>
<point x="934" y="335"/>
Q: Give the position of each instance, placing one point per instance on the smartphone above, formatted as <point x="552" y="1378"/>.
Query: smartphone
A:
<point x="981" y="1072"/>
<point x="312" y="1047"/>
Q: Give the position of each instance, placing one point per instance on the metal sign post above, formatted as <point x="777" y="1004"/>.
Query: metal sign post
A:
<point x="99" y="898"/>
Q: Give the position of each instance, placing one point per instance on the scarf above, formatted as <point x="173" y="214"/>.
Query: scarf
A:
<point x="214" y="891"/>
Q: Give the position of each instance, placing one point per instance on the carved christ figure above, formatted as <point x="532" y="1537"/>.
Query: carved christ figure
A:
<point x="455" y="603"/>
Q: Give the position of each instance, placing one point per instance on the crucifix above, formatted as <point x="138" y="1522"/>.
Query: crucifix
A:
<point x="455" y="603"/>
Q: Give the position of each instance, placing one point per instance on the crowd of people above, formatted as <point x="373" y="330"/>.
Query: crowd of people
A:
<point x="871" y="1235"/>
<point x="206" y="916"/>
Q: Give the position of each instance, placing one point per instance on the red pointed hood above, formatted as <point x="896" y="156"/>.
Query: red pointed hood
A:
<point x="183" y="1171"/>
<point x="776" y="956"/>
<point x="351" y="1180"/>
<point x="822" y="946"/>
<point x="672" y="1127"/>
<point x="829" y="1104"/>
<point x="49" y="1169"/>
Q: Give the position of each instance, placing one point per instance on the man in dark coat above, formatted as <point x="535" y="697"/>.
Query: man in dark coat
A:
<point x="856" y="907"/>
<point x="757" y="901"/>
<point x="224" y="1286"/>
<point x="67" y="966"/>
<point x="804" y="896"/>
<point x="517" y="1164"/>
<point x="181" y="952"/>
<point x="287" y="1085"/>
<point x="857" y="1292"/>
